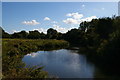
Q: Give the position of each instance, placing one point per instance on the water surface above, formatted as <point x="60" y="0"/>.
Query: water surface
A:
<point x="62" y="63"/>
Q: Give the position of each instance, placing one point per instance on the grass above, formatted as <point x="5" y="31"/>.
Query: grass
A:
<point x="13" y="51"/>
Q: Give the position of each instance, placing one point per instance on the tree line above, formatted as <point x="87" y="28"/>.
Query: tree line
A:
<point x="51" y="34"/>
<point x="95" y="33"/>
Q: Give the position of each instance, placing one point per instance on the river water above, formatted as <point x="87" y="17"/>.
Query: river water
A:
<point x="62" y="63"/>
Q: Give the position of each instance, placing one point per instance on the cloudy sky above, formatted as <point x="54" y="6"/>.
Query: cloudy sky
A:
<point x="62" y="16"/>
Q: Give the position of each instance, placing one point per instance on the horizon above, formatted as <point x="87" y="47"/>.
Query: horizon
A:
<point x="62" y="16"/>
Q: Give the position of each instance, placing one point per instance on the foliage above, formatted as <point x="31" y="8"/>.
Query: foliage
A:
<point x="51" y="33"/>
<point x="4" y="34"/>
<point x="34" y="35"/>
<point x="105" y="42"/>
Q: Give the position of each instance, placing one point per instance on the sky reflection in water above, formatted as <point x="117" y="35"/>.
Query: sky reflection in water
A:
<point x="62" y="63"/>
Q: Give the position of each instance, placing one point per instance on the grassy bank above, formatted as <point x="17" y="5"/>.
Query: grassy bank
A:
<point x="14" y="50"/>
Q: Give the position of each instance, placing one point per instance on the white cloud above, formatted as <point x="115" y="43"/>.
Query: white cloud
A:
<point x="78" y="21"/>
<point x="77" y="18"/>
<point x="33" y="22"/>
<point x="70" y="21"/>
<point x="47" y="19"/>
<point x="75" y="15"/>
<point x="103" y="8"/>
<point x="14" y="31"/>
<point x="41" y="30"/>
<point x="61" y="29"/>
<point x="83" y="5"/>
<point x="33" y="55"/>
<point x="89" y="18"/>
<point x="54" y="22"/>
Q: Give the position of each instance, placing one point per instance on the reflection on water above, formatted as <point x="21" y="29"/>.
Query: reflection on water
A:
<point x="62" y="63"/>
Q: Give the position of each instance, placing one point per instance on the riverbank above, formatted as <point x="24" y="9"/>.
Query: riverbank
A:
<point x="15" y="49"/>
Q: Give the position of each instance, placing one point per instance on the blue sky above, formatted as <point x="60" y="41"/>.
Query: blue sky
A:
<point x="62" y="16"/>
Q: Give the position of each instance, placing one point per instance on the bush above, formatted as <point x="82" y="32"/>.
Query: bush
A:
<point x="13" y="51"/>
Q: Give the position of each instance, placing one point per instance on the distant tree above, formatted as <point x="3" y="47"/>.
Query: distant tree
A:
<point x="34" y="34"/>
<point x="84" y="25"/>
<point x="52" y="33"/>
<point x="59" y="36"/>
<point x="4" y="34"/>
<point x="104" y="27"/>
<point x="42" y="35"/>
<point x="75" y="36"/>
<point x="16" y="35"/>
<point x="23" y="34"/>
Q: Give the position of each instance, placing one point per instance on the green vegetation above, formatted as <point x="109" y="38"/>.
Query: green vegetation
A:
<point x="51" y="34"/>
<point x="14" y="50"/>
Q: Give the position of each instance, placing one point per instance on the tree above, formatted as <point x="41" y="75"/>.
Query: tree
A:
<point x="16" y="35"/>
<point x="84" y="25"/>
<point x="104" y="27"/>
<point x="42" y="35"/>
<point x="52" y="33"/>
<point x="34" y="34"/>
<point x="75" y="36"/>
<point x="59" y="36"/>
<point x="4" y="34"/>
<point x="23" y="34"/>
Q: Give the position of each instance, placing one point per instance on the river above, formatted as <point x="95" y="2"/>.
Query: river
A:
<point x="62" y="63"/>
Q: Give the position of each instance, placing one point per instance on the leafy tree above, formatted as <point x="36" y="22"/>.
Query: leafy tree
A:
<point x="75" y="36"/>
<point x="23" y="34"/>
<point x="104" y="27"/>
<point x="34" y="34"/>
<point x="16" y="35"/>
<point x="52" y="33"/>
<point x="59" y="36"/>
<point x="42" y="35"/>
<point x="84" y="26"/>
